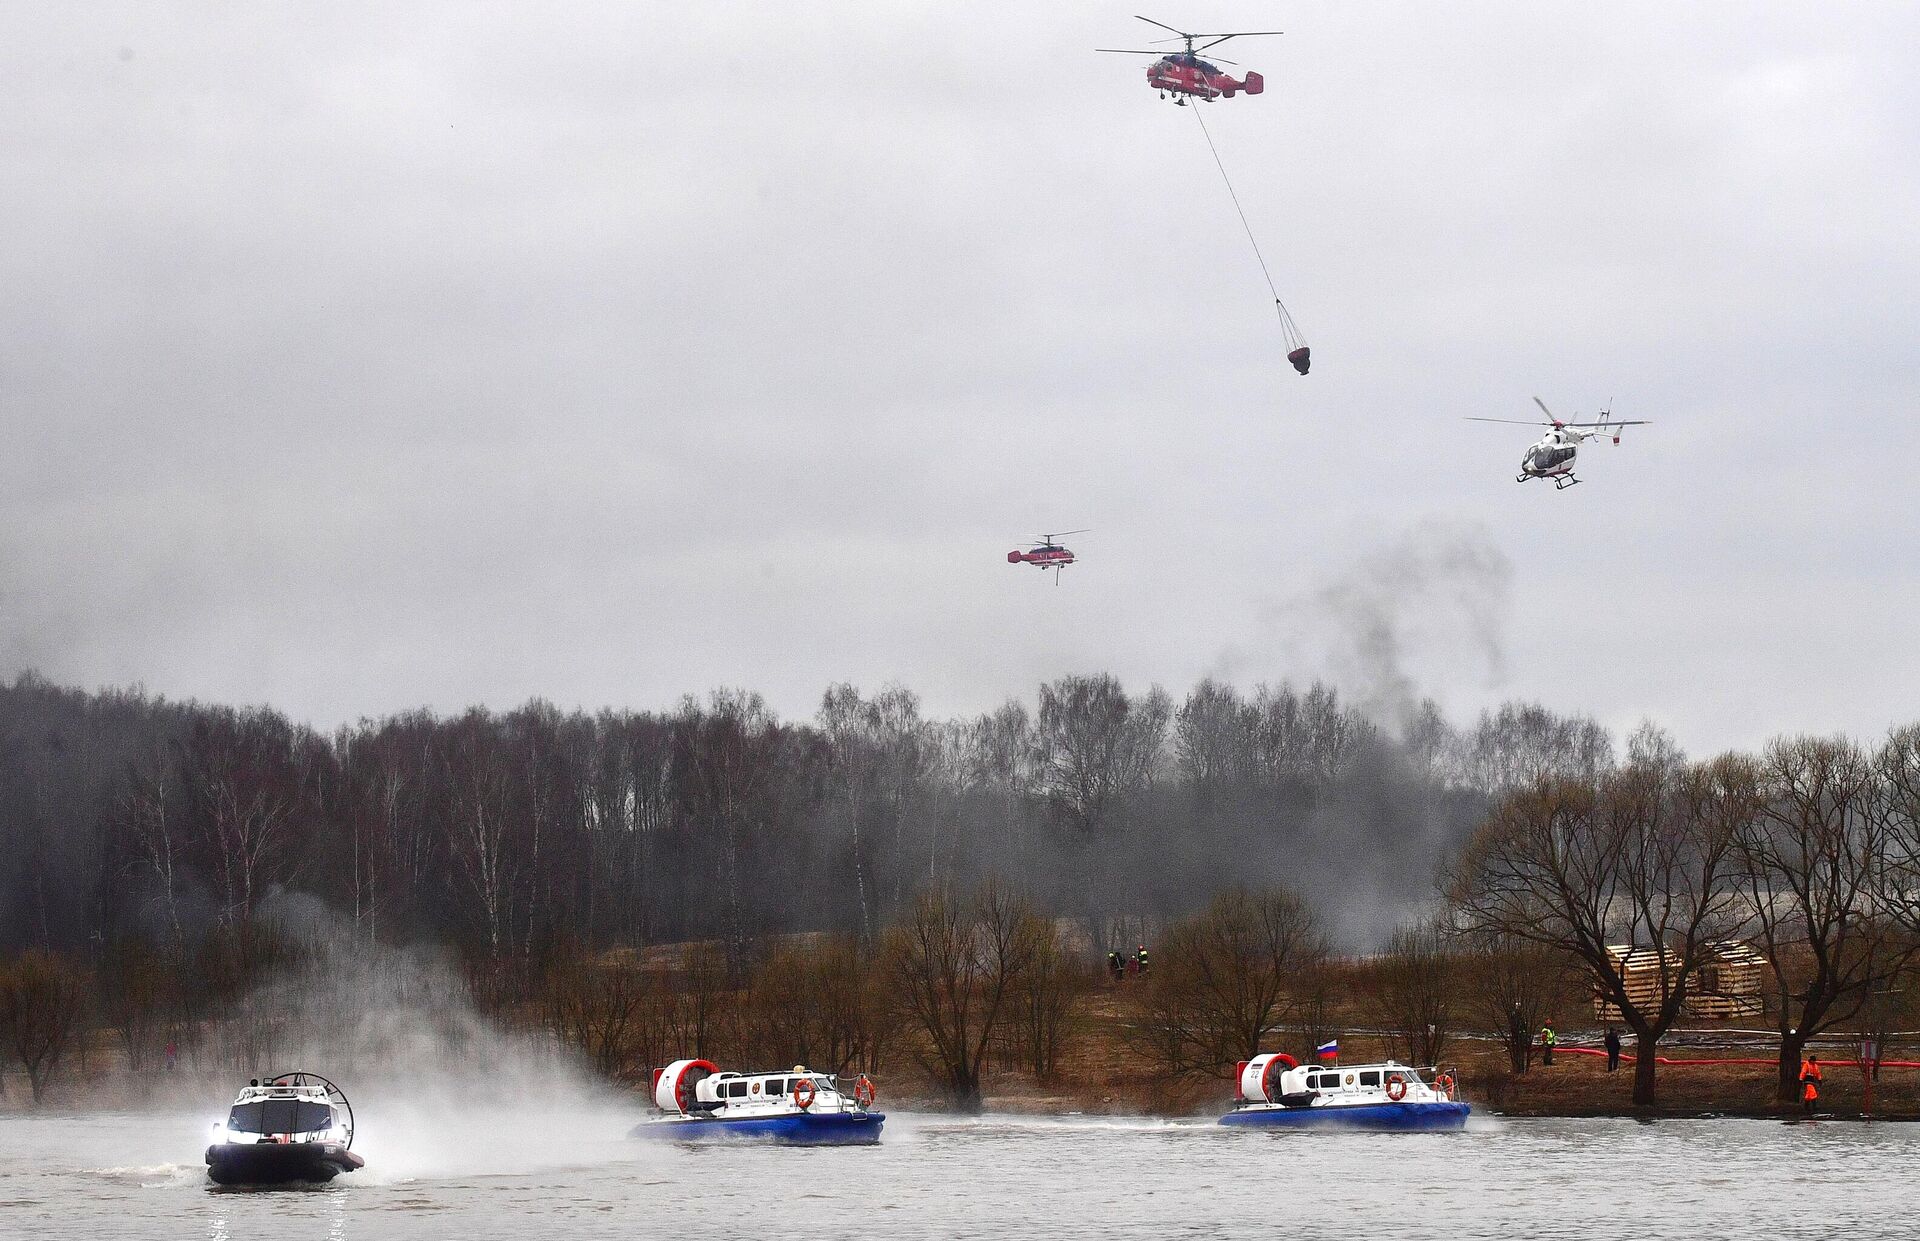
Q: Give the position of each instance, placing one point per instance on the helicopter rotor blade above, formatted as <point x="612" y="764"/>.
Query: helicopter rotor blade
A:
<point x="1511" y="422"/>
<point x="1183" y="34"/>
<point x="1223" y="38"/>
<point x="1221" y="59"/>
<point x="1543" y="408"/>
<point x="1129" y="51"/>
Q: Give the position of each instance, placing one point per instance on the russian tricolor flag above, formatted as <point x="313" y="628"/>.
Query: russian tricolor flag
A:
<point x="1329" y="1050"/>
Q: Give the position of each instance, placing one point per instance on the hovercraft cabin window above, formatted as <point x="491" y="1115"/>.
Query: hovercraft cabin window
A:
<point x="736" y="1090"/>
<point x="776" y="1086"/>
<point x="280" y="1116"/>
<point x="1370" y="1079"/>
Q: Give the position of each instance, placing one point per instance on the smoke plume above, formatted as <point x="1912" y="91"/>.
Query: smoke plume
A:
<point x="1380" y="629"/>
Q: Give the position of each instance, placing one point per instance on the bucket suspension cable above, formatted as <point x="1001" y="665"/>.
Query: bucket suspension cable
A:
<point x="1297" y="351"/>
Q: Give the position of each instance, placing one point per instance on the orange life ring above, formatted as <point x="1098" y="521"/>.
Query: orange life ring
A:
<point x="863" y="1092"/>
<point x="1444" y="1084"/>
<point x="800" y="1084"/>
<point x="1396" y="1087"/>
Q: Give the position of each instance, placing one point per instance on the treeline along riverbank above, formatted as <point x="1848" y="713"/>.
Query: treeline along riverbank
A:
<point x="934" y="901"/>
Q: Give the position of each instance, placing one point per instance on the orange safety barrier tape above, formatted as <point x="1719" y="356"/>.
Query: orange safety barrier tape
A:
<point x="1626" y="1054"/>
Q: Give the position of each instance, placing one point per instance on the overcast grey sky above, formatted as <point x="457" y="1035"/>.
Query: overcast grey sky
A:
<point x="360" y="357"/>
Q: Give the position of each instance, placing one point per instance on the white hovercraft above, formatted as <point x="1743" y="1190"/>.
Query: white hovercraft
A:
<point x="1275" y="1091"/>
<point x="797" y="1106"/>
<point x="294" y="1127"/>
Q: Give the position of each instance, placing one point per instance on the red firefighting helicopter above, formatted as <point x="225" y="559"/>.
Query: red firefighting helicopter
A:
<point x="1047" y="553"/>
<point x="1184" y="74"/>
<point x="1553" y="456"/>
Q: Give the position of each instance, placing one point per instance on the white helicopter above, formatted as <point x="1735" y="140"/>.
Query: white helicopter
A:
<point x="1553" y="456"/>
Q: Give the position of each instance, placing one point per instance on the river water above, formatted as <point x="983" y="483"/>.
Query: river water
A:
<point x="524" y="1175"/>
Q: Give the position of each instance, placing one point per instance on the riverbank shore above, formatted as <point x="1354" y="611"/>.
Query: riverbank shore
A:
<point x="1104" y="1075"/>
<point x="1102" y="1071"/>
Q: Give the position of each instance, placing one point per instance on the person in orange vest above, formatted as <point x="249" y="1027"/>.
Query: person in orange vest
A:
<point x="1810" y="1082"/>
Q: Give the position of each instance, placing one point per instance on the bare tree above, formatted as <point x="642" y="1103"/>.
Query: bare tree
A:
<point x="816" y="1004"/>
<point x="1428" y="741"/>
<point x="1096" y="746"/>
<point x="251" y="775"/>
<point x="1227" y="977"/>
<point x="703" y="989"/>
<point x="483" y="840"/>
<point x="735" y="766"/>
<point x="1047" y="999"/>
<point x="1810" y="858"/>
<point x="628" y="807"/>
<point x="882" y="755"/>
<point x="42" y="1013"/>
<point x="135" y="989"/>
<point x="1639" y="858"/>
<point x="1511" y="987"/>
<point x="152" y="822"/>
<point x="1897" y="770"/>
<point x="596" y="1007"/>
<point x="1213" y="739"/>
<point x="1096" y="750"/>
<point x="953" y="965"/>
<point x="1523" y="743"/>
<point x="1416" y="990"/>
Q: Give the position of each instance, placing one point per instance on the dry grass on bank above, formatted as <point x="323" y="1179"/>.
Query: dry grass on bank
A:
<point x="1101" y="1071"/>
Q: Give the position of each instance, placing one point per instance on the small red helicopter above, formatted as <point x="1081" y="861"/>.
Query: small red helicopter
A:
<point x="1047" y="553"/>
<point x="1184" y="74"/>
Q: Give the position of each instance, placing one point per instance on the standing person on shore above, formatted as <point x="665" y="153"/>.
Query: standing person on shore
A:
<point x="1810" y="1080"/>
<point x="1143" y="959"/>
<point x="1115" y="967"/>
<point x="1548" y="1041"/>
<point x="1613" y="1049"/>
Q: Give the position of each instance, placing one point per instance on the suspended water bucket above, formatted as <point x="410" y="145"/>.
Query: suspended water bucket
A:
<point x="1301" y="358"/>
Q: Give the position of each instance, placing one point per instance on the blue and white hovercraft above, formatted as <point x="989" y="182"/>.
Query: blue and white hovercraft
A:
<point x="1275" y="1092"/>
<point x="796" y="1106"/>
